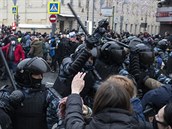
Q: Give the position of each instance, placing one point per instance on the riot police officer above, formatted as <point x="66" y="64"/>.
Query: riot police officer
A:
<point x="142" y="68"/>
<point x="39" y="107"/>
<point x="161" y="54"/>
<point x="99" y="61"/>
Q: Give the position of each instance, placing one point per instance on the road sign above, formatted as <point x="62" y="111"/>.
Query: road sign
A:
<point x="106" y="11"/>
<point x="15" y="10"/>
<point x="53" y="7"/>
<point x="53" y="18"/>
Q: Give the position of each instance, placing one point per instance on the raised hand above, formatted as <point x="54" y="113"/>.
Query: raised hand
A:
<point x="78" y="83"/>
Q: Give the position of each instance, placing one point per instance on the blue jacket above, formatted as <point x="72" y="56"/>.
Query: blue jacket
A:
<point x="158" y="97"/>
<point x="137" y="108"/>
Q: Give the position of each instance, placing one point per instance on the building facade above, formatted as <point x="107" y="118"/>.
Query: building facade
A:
<point x="128" y="15"/>
<point x="164" y="16"/>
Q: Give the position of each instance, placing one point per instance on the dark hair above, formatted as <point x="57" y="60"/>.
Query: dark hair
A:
<point x="111" y="95"/>
<point x="168" y="114"/>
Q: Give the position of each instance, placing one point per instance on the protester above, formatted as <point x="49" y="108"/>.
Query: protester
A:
<point x="36" y="48"/>
<point x="163" y="120"/>
<point x="158" y="97"/>
<point x="130" y="85"/>
<point x="111" y="109"/>
<point x="14" y="53"/>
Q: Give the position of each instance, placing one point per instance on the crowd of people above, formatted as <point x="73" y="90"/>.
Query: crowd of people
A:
<point x="105" y="80"/>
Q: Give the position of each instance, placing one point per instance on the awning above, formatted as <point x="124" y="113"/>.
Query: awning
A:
<point x="67" y="15"/>
<point x="36" y="26"/>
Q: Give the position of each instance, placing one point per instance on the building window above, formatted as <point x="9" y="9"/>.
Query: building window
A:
<point x="135" y="32"/>
<point x="61" y="26"/>
<point x="5" y="3"/>
<point x="62" y="1"/>
<point x="158" y="29"/>
<point x="131" y="28"/>
<point x="115" y="27"/>
<point x="151" y="29"/>
<point x="148" y="29"/>
<point x="79" y="3"/>
<point x="70" y="25"/>
<point x="85" y="23"/>
<point x="71" y="2"/>
<point x="155" y="29"/>
<point x="87" y="4"/>
<point x="35" y="3"/>
<point x="139" y="29"/>
<point x="126" y="26"/>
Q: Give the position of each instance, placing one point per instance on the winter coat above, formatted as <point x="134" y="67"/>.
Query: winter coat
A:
<point x="109" y="118"/>
<point x="52" y="49"/>
<point x="18" y="52"/>
<point x="36" y="49"/>
<point x="158" y="97"/>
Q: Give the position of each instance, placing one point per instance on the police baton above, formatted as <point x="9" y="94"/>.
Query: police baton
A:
<point x="78" y="20"/>
<point x="120" y="43"/>
<point x="7" y="68"/>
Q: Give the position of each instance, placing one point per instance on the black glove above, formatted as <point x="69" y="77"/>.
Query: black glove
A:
<point x="16" y="98"/>
<point x="91" y="41"/>
<point x="142" y="78"/>
<point x="8" y="104"/>
<point x="149" y="111"/>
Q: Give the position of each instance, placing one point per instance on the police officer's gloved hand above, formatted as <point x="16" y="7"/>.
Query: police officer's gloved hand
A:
<point x="142" y="78"/>
<point x="91" y="41"/>
<point x="16" y="98"/>
<point x="149" y="111"/>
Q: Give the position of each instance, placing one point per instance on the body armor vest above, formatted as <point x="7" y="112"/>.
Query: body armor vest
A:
<point x="32" y="113"/>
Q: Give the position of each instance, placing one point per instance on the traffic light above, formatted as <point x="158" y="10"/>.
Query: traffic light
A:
<point x="163" y="3"/>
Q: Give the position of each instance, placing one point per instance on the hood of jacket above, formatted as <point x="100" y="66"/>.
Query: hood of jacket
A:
<point x="27" y="37"/>
<point x="113" y="119"/>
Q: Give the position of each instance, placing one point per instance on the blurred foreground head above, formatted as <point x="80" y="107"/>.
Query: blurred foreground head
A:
<point x="112" y="94"/>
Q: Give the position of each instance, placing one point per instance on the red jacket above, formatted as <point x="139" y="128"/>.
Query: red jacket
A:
<point x="18" y="53"/>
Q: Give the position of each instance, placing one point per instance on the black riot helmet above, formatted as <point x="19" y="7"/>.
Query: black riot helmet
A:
<point x="112" y="53"/>
<point x="26" y="68"/>
<point x="134" y="42"/>
<point x="146" y="55"/>
<point x="162" y="44"/>
<point x="103" y="23"/>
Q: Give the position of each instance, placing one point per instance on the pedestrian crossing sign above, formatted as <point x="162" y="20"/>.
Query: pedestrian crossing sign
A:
<point x="15" y="10"/>
<point x="53" y="7"/>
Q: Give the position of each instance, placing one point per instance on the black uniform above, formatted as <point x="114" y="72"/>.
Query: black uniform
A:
<point x="96" y="71"/>
<point x="38" y="106"/>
